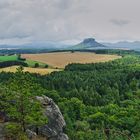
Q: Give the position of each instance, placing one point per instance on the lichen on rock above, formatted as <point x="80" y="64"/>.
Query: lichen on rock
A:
<point x="56" y="123"/>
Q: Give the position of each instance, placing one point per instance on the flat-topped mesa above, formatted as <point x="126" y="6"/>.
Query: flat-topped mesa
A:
<point x="89" y="40"/>
<point x="89" y="43"/>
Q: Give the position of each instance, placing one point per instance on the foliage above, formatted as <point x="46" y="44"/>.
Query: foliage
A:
<point x="36" y="65"/>
<point x="20" y="105"/>
<point x="99" y="101"/>
<point x="104" y="95"/>
<point x="13" y="130"/>
<point x="46" y="66"/>
<point x="32" y="63"/>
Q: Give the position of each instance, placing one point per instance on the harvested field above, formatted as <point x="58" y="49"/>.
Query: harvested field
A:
<point x="41" y="71"/>
<point x="61" y="59"/>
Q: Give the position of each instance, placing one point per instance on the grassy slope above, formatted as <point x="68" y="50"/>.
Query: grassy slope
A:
<point x="31" y="63"/>
<point x="8" y="58"/>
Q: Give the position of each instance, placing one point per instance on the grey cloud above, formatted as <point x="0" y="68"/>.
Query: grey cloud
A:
<point x="119" y="22"/>
<point x="60" y="20"/>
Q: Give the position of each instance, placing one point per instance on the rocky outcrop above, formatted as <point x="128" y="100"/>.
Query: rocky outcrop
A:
<point x="54" y="129"/>
<point x="30" y="134"/>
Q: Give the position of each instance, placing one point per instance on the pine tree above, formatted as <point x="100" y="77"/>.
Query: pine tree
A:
<point x="23" y="110"/>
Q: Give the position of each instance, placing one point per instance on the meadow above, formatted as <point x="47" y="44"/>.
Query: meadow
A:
<point x="8" y="58"/>
<point x="15" y="57"/>
<point x="61" y="59"/>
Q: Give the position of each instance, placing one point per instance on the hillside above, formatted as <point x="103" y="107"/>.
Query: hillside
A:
<point x="124" y="45"/>
<point x="48" y="45"/>
<point x="89" y="43"/>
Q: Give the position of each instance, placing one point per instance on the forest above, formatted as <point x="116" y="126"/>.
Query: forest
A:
<point x="98" y="101"/>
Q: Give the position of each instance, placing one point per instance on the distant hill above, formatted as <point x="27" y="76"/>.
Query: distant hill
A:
<point x="36" y="45"/>
<point x="86" y="44"/>
<point x="89" y="43"/>
<point x="124" y="45"/>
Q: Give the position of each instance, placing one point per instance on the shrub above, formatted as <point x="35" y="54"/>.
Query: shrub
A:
<point x="36" y="65"/>
<point x="46" y="66"/>
<point x="12" y="130"/>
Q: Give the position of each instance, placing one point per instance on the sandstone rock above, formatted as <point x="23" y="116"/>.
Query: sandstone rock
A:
<point x="31" y="134"/>
<point x="54" y="129"/>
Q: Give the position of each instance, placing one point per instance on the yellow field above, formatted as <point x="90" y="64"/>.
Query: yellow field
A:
<point x="41" y="71"/>
<point x="61" y="59"/>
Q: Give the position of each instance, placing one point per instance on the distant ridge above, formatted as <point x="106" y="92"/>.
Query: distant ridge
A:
<point x="124" y="45"/>
<point x="89" y="43"/>
<point x="36" y="45"/>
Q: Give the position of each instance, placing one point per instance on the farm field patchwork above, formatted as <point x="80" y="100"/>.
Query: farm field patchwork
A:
<point x="41" y="71"/>
<point x="61" y="59"/>
<point x="15" y="57"/>
<point x="56" y="61"/>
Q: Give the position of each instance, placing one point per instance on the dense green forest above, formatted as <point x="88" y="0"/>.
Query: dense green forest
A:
<point x="99" y="101"/>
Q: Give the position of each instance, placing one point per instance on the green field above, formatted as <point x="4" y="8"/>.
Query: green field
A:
<point x="30" y="63"/>
<point x="8" y="58"/>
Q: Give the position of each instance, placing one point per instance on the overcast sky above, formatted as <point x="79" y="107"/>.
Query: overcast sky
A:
<point x="22" y="21"/>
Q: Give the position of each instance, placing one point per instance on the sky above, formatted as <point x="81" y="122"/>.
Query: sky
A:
<point x="24" y="21"/>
